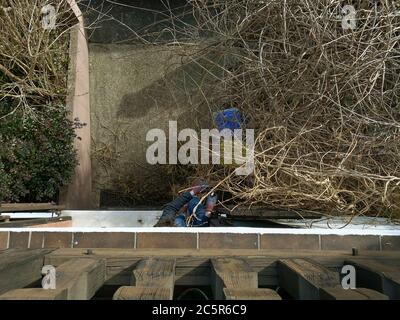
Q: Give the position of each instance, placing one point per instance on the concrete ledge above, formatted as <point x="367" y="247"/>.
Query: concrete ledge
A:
<point x="211" y="238"/>
<point x="18" y="240"/>
<point x="290" y="241"/>
<point x="4" y="240"/>
<point x="336" y="242"/>
<point x="173" y="240"/>
<point x="390" y="243"/>
<point x="104" y="240"/>
<point x="228" y="241"/>
<point x="221" y="230"/>
<point x="57" y="239"/>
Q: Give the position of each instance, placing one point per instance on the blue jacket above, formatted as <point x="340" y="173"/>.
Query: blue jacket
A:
<point x="200" y="219"/>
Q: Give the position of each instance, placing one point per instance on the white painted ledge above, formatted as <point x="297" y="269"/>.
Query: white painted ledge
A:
<point x="234" y="230"/>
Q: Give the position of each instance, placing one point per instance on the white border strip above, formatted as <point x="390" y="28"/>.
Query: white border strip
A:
<point x="234" y="230"/>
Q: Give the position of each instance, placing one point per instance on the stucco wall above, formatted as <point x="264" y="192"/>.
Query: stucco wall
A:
<point x="135" y="89"/>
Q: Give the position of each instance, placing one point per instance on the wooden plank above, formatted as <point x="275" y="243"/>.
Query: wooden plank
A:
<point x="197" y="273"/>
<point x="251" y="294"/>
<point x="232" y="273"/>
<point x="20" y="267"/>
<point x="34" y="294"/>
<point x="32" y="222"/>
<point x="81" y="277"/>
<point x="302" y="278"/>
<point x="206" y="253"/>
<point x="4" y="218"/>
<point x="378" y="276"/>
<point x="152" y="279"/>
<point x="154" y="273"/>
<point x="194" y="268"/>
<point x="338" y="293"/>
<point x="140" y="293"/>
<point x="21" y="207"/>
<point x="76" y="279"/>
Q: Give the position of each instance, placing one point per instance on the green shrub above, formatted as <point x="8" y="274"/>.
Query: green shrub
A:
<point x="36" y="154"/>
<point x="36" y="136"/>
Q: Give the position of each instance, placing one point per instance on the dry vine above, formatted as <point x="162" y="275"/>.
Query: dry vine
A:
<point x="324" y="101"/>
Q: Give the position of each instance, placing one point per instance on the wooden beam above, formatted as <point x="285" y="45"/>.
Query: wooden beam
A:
<point x="154" y="273"/>
<point x="4" y="218"/>
<point x="251" y="294"/>
<point x="152" y="279"/>
<point x="194" y="268"/>
<point x="140" y="293"/>
<point x="76" y="279"/>
<point x="232" y="273"/>
<point x="20" y="267"/>
<point x="207" y="253"/>
<point x="21" y="207"/>
<point x="338" y="293"/>
<point x="81" y="277"/>
<point x="377" y="276"/>
<point x="34" y="294"/>
<point x="302" y="278"/>
<point x="32" y="222"/>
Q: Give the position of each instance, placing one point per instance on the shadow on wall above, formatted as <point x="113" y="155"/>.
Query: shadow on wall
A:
<point x="186" y="85"/>
<point x="135" y="88"/>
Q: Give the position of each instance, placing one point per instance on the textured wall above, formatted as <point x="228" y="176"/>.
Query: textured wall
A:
<point x="135" y="89"/>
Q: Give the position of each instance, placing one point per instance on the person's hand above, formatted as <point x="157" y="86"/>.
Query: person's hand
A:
<point x="211" y="202"/>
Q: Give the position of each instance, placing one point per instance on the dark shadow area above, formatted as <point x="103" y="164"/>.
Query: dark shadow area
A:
<point x="106" y="292"/>
<point x="131" y="21"/>
<point x="193" y="293"/>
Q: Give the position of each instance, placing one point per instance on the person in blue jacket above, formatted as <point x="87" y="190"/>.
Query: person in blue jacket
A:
<point x="187" y="211"/>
